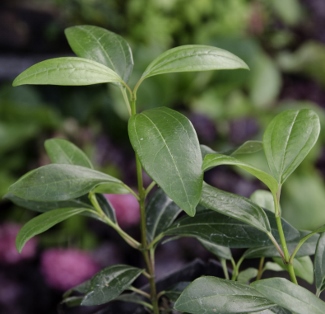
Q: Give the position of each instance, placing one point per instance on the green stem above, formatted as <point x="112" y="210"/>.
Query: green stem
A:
<point x="286" y="257"/>
<point x="138" y="291"/>
<point x="260" y="268"/>
<point x="148" y="254"/>
<point x="224" y="268"/>
<point x="236" y="267"/>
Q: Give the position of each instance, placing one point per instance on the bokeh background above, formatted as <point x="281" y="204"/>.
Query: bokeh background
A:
<point x="282" y="41"/>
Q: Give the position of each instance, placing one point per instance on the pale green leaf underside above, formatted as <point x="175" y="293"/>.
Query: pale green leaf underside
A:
<point x="71" y="71"/>
<point x="62" y="151"/>
<point x="288" y="139"/>
<point x="167" y="146"/>
<point x="189" y="58"/>
<point x="214" y="160"/>
<point x="100" y="45"/>
<point x="210" y="295"/>
<point x="59" y="182"/>
<point x="289" y="295"/>
<point x="44" y="222"/>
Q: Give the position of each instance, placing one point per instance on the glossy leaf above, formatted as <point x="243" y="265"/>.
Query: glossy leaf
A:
<point x="100" y="45"/>
<point x="274" y="310"/>
<point x="161" y="212"/>
<point x="319" y="264"/>
<point x="70" y="71"/>
<point x="44" y="222"/>
<point x="109" y="283"/>
<point x="235" y="206"/>
<point x="168" y="148"/>
<point x="214" y="160"/>
<point x="218" y="229"/>
<point x="190" y="58"/>
<point x="289" y="295"/>
<point x="62" y="151"/>
<point x="211" y="295"/>
<point x="58" y="182"/>
<point x="288" y="139"/>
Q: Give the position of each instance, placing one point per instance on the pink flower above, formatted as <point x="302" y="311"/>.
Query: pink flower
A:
<point x="8" y="251"/>
<point x="126" y="208"/>
<point x="66" y="268"/>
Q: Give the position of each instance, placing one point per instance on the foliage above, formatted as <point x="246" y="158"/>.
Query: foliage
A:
<point x="167" y="148"/>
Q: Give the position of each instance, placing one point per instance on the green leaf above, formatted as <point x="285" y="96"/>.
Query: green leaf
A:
<point x="212" y="295"/>
<point x="249" y="147"/>
<point x="289" y="295"/>
<point x="246" y="275"/>
<point x="62" y="151"/>
<point x="67" y="71"/>
<point x="57" y="182"/>
<point x="160" y="214"/>
<point x="214" y="160"/>
<point x="319" y="263"/>
<point x="100" y="45"/>
<point x="107" y="207"/>
<point x="263" y="199"/>
<point x="44" y="222"/>
<point x="42" y="207"/>
<point x="303" y="267"/>
<point x="191" y="58"/>
<point x="274" y="310"/>
<point x="235" y="206"/>
<point x="168" y="148"/>
<point x="218" y="229"/>
<point x="218" y="250"/>
<point x="288" y="139"/>
<point x="109" y="283"/>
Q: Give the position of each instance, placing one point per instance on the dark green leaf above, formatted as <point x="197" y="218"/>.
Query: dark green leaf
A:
<point x="210" y="295"/>
<point x="214" y="160"/>
<point x="218" y="229"/>
<point x="289" y="295"/>
<point x="169" y="150"/>
<point x="109" y="283"/>
<point x="44" y="222"/>
<point x="191" y="58"/>
<point x="288" y="139"/>
<point x="235" y="206"/>
<point x="175" y="291"/>
<point x="319" y="264"/>
<point x="100" y="45"/>
<point x="160" y="214"/>
<point x="58" y="182"/>
<point x="62" y="151"/>
<point x="67" y="71"/>
<point x="106" y="207"/>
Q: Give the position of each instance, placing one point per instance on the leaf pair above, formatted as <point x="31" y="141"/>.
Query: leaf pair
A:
<point x="105" y="57"/>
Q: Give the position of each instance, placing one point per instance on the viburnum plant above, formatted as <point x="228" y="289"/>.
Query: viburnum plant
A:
<point x="167" y="148"/>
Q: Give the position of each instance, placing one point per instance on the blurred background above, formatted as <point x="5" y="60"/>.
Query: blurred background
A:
<point x="282" y="41"/>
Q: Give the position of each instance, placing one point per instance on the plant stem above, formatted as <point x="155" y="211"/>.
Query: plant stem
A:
<point x="286" y="258"/>
<point x="148" y="254"/>
<point x="260" y="268"/>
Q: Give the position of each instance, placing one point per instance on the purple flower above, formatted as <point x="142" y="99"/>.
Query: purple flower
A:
<point x="8" y="251"/>
<point x="66" y="268"/>
<point x="126" y="209"/>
